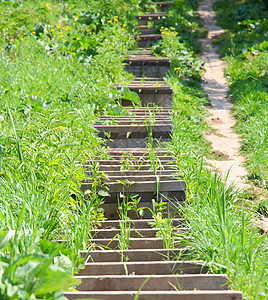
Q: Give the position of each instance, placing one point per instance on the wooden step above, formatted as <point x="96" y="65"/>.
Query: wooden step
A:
<point x="168" y="187"/>
<point x="110" y="233"/>
<point x="148" y="40"/>
<point x="146" y="205"/>
<point x="164" y="5"/>
<point x="132" y="121"/>
<point x="142" y="223"/>
<point x="146" y="30"/>
<point x="134" y="243"/>
<point x="157" y="295"/>
<point x="143" y="268"/>
<point x="150" y="92"/>
<point x="134" y="233"/>
<point x="149" y="60"/>
<point x="133" y="255"/>
<point x="155" y="283"/>
<point x="144" y="19"/>
<point x="135" y="160"/>
<point x="147" y="66"/>
<point x="136" y="152"/>
<point x="141" y="51"/>
<point x="122" y="131"/>
<point x="148" y="110"/>
<point x="141" y="167"/>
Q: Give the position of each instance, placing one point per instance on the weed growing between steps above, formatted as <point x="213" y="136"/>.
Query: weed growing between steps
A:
<point x="245" y="47"/>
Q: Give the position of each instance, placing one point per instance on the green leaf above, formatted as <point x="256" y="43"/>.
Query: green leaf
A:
<point x="103" y="193"/>
<point x="5" y="238"/>
<point x="255" y="244"/>
<point x="131" y="96"/>
<point x="55" y="279"/>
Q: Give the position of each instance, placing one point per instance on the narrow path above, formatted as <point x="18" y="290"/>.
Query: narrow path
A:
<point x="225" y="142"/>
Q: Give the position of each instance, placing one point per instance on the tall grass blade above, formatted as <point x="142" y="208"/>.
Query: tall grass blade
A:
<point x="16" y="137"/>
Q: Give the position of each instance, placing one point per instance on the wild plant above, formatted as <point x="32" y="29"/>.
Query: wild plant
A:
<point x="222" y="234"/>
<point x="31" y="274"/>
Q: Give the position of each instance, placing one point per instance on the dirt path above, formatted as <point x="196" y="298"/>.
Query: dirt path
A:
<point x="225" y="141"/>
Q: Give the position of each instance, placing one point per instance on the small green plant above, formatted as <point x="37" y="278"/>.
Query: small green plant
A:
<point x="31" y="275"/>
<point x="166" y="229"/>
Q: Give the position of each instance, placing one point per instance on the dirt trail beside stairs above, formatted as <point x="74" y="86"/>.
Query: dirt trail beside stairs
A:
<point x="225" y="142"/>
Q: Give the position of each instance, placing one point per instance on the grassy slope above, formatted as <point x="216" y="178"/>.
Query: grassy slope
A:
<point x="54" y="105"/>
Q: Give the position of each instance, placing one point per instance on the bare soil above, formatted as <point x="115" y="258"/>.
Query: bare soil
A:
<point x="223" y="138"/>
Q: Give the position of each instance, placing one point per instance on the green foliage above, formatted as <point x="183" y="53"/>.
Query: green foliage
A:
<point x="180" y="30"/>
<point x="183" y="18"/>
<point x="182" y="58"/>
<point x="31" y="276"/>
<point x="247" y="26"/>
<point x="222" y="234"/>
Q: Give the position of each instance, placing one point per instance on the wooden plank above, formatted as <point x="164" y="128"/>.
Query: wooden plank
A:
<point x="134" y="243"/>
<point x="141" y="186"/>
<point x="157" y="295"/>
<point x="134" y="233"/>
<point x="139" y="153"/>
<point x="134" y="167"/>
<point x="133" y="122"/>
<point x="144" y="268"/>
<point x="134" y="128"/>
<point x="138" y="223"/>
<point x="155" y="283"/>
<point x="148" y="79"/>
<point x="142" y="173"/>
<point x="136" y="178"/>
<point x="143" y="19"/>
<point x="133" y="255"/>
<point x="147" y="60"/>
<point x="136" y="151"/>
<point x="146" y="109"/>
<point x="135" y="160"/>
<point x="155" y="36"/>
<point x="141" y="52"/>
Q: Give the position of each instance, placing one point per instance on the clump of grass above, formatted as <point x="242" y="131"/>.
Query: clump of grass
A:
<point x="222" y="234"/>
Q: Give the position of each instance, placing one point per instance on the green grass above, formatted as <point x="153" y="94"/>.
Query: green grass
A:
<point x="223" y="235"/>
<point x="58" y="64"/>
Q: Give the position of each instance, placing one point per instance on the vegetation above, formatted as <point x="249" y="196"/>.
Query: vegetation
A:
<point x="58" y="64"/>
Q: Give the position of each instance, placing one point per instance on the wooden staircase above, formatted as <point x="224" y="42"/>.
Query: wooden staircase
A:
<point x="131" y="258"/>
